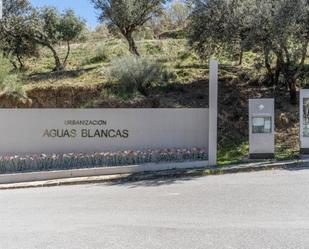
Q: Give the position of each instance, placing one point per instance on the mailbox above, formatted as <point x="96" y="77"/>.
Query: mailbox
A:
<point x="261" y="128"/>
<point x="304" y="120"/>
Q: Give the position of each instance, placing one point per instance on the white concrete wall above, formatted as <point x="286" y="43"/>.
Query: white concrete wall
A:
<point x="21" y="130"/>
<point x="261" y="143"/>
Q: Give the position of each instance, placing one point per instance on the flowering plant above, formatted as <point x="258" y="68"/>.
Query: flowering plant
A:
<point x="44" y="162"/>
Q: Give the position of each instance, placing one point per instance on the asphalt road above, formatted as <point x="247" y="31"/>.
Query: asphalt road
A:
<point x="263" y="210"/>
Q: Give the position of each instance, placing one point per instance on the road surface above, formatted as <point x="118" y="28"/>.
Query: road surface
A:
<point x="260" y="210"/>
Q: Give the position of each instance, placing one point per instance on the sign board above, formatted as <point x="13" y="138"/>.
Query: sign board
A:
<point x="261" y="128"/>
<point x="304" y="120"/>
<point x="27" y="131"/>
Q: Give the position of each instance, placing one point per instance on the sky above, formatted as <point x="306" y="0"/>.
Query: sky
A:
<point x="83" y="8"/>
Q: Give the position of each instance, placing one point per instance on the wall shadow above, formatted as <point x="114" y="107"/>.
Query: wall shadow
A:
<point x="156" y="179"/>
<point x="60" y="75"/>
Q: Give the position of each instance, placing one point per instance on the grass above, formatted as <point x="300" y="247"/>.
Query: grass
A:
<point x="92" y="58"/>
<point x="90" y="61"/>
<point x="283" y="153"/>
<point x="233" y="153"/>
<point x="97" y="56"/>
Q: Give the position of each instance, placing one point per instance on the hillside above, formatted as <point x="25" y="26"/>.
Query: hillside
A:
<point x="86" y="83"/>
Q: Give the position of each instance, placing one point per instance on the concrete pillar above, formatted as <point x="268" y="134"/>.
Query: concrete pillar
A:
<point x="304" y="121"/>
<point x="1" y="9"/>
<point x="261" y="128"/>
<point x="213" y="112"/>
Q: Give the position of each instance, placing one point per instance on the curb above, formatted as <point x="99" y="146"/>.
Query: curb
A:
<point x="174" y="173"/>
<point x="96" y="171"/>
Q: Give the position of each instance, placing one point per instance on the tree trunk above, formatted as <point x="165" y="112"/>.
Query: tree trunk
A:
<point x="293" y="93"/>
<point x="268" y="66"/>
<point x="241" y="55"/>
<point x="14" y="64"/>
<point x="131" y="42"/>
<point x="58" y="64"/>
<point x="277" y="71"/>
<point x="67" y="55"/>
<point x="21" y="64"/>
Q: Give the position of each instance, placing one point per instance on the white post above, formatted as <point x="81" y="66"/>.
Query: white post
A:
<point x="213" y="112"/>
<point x="0" y="9"/>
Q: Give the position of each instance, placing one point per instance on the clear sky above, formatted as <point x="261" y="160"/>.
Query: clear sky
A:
<point x="83" y="8"/>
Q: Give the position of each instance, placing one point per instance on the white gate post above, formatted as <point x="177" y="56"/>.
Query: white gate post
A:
<point x="1" y="7"/>
<point x="213" y="112"/>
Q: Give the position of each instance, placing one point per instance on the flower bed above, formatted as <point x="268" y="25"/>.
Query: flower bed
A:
<point x="17" y="164"/>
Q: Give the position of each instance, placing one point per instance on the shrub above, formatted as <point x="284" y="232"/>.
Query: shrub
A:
<point x="153" y="49"/>
<point x="5" y="68"/>
<point x="101" y="53"/>
<point x="173" y="34"/>
<point x="133" y="74"/>
<point x="9" y="81"/>
<point x="13" y="86"/>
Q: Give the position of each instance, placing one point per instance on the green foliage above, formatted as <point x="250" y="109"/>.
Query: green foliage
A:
<point x="24" y="28"/>
<point x="283" y="154"/>
<point x="127" y="16"/>
<point x="101" y="53"/>
<point x="173" y="34"/>
<point x="100" y="33"/>
<point x="278" y="28"/>
<point x="172" y="21"/>
<point x="5" y="69"/>
<point x="9" y="82"/>
<point x="133" y="74"/>
<point x="48" y="27"/>
<point x="70" y="26"/>
<point x="153" y="49"/>
<point x="12" y="85"/>
<point x="233" y="153"/>
<point x="179" y="13"/>
<point x="144" y="33"/>
<point x="13" y="42"/>
<point x="218" y="25"/>
<point x="15" y="8"/>
<point x="18" y="48"/>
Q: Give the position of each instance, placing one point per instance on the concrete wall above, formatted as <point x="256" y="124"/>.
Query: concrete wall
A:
<point x="24" y="131"/>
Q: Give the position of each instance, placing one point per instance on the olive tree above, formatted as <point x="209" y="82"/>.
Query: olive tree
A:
<point x="173" y="18"/>
<point x="179" y="13"/>
<point x="17" y="47"/>
<point x="49" y="28"/>
<point x="15" y="8"/>
<point x="281" y="29"/>
<point x="13" y="42"/>
<point x="220" y="26"/>
<point x="278" y="28"/>
<point x="128" y="15"/>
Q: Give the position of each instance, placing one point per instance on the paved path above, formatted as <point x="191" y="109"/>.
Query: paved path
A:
<point x="261" y="210"/>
